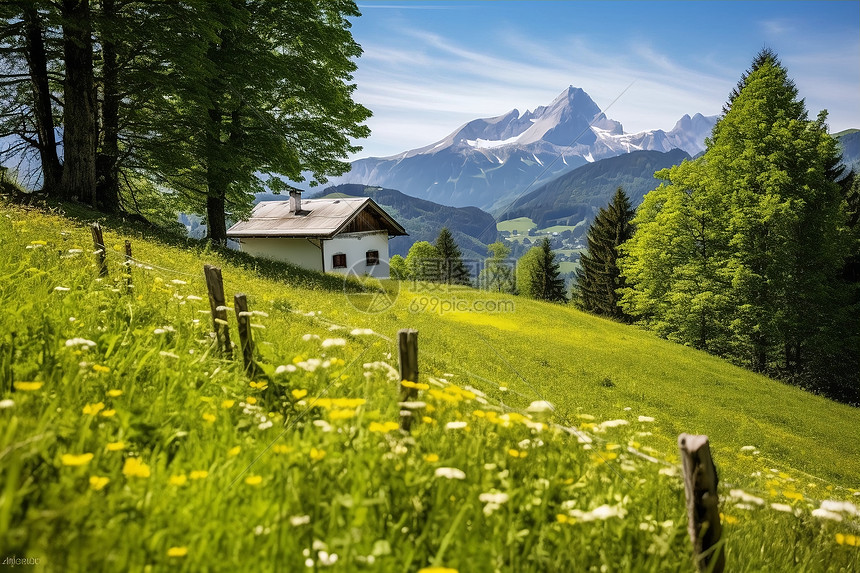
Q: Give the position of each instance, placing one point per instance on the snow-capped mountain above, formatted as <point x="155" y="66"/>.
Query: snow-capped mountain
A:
<point x="487" y="162"/>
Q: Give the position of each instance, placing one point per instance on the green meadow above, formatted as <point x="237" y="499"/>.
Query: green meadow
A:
<point x="542" y="439"/>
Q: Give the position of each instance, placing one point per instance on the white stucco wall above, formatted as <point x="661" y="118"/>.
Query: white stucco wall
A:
<point x="306" y="254"/>
<point x="301" y="252"/>
<point x="355" y="247"/>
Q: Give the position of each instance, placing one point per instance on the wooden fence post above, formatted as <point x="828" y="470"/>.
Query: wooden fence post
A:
<point x="128" y="283"/>
<point x="407" y="340"/>
<point x="246" y="340"/>
<point x="215" y="285"/>
<point x="99" y="244"/>
<point x="703" y="512"/>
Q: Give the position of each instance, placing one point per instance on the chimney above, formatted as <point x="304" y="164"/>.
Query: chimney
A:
<point x="295" y="200"/>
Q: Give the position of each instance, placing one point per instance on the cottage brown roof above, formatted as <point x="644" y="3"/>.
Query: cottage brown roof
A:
<point x="321" y="218"/>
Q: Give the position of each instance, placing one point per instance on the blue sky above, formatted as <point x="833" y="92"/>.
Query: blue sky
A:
<point x="430" y="66"/>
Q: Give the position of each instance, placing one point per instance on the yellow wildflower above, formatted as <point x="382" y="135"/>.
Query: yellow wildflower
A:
<point x="428" y="419"/>
<point x="299" y="394"/>
<point x="731" y="520"/>
<point x="562" y="518"/>
<point x="610" y="447"/>
<point x="228" y="403"/>
<point x="431" y="458"/>
<point x="437" y="570"/>
<point x="384" y="427"/>
<point x="115" y="446"/>
<point x="100" y="369"/>
<point x="76" y="459"/>
<point x="848" y="539"/>
<point x="444" y="396"/>
<point x="416" y="385"/>
<point x="259" y="385"/>
<point x="281" y="449"/>
<point x="517" y="453"/>
<point x="108" y="413"/>
<point x="114" y="393"/>
<point x="27" y="386"/>
<point x="251" y="400"/>
<point x="133" y="467"/>
<point x="790" y="494"/>
<point x="234" y="451"/>
<point x="93" y="409"/>
<point x="198" y="474"/>
<point x="316" y="454"/>
<point x="209" y="417"/>
<point x="479" y="414"/>
<point x="329" y="403"/>
<point x="341" y="414"/>
<point x="177" y="552"/>
<point x="254" y="480"/>
<point x="98" y="483"/>
<point x="178" y="480"/>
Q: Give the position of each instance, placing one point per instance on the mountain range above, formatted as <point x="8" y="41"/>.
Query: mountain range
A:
<point x="578" y="195"/>
<point x="490" y="162"/>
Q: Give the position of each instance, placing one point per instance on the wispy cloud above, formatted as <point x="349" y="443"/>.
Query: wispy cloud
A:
<point x="776" y="27"/>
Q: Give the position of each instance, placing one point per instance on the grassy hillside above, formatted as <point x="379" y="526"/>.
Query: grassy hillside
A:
<point x="127" y="441"/>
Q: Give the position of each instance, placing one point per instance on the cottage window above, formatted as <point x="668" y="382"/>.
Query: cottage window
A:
<point x="338" y="261"/>
<point x="372" y="258"/>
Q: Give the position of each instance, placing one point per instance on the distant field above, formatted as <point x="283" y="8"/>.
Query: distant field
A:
<point x="569" y="252"/>
<point x="520" y="224"/>
<point x="566" y="266"/>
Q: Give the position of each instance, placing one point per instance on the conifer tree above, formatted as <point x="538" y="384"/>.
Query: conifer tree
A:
<point x="598" y="278"/>
<point x="453" y="271"/>
<point x="538" y="274"/>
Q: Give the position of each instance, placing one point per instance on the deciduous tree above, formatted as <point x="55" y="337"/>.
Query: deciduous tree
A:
<point x="741" y="251"/>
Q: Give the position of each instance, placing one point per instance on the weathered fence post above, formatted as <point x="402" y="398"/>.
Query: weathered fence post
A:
<point x="703" y="512"/>
<point x="215" y="285"/>
<point x="246" y="340"/>
<point x="407" y="341"/>
<point x="128" y="259"/>
<point x="99" y="244"/>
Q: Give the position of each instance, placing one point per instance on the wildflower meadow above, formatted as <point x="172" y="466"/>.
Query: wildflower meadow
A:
<point x="129" y="442"/>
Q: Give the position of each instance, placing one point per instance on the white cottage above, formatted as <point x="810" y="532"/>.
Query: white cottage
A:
<point x="330" y="235"/>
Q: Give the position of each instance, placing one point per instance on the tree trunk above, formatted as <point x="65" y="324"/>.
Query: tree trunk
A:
<point x="37" y="61"/>
<point x="107" y="161"/>
<point x="79" y="112"/>
<point x="216" y="223"/>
